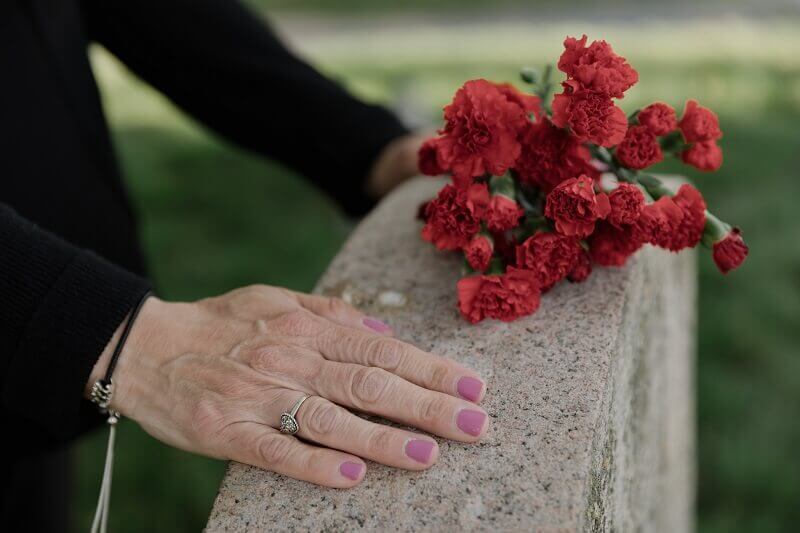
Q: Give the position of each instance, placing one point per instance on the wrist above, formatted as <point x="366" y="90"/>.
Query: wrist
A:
<point x="142" y="330"/>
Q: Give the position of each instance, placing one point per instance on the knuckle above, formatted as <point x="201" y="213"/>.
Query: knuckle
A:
<point x="385" y="353"/>
<point x="431" y="409"/>
<point x="338" y="307"/>
<point x="264" y="358"/>
<point x="206" y="419"/>
<point x="242" y="301"/>
<point x="369" y="385"/>
<point x="259" y="290"/>
<point x="253" y="295"/>
<point x="300" y="323"/>
<point x="440" y="376"/>
<point x="314" y="459"/>
<point x="273" y="449"/>
<point x="307" y="369"/>
<point x="323" y="418"/>
<point x="253" y="288"/>
<point x="379" y="441"/>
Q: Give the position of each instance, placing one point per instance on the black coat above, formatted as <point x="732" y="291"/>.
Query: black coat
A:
<point x="70" y="263"/>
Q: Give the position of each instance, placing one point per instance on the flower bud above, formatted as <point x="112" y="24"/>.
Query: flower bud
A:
<point x="503" y="212"/>
<point x="659" y="118"/>
<point x="730" y="251"/>
<point x="705" y="156"/>
<point x="479" y="251"/>
<point x="529" y="75"/>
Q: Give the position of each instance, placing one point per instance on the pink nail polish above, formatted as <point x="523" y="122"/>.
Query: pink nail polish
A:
<point x="470" y="422"/>
<point x="420" y="450"/>
<point x="376" y="325"/>
<point x="351" y="470"/>
<point x="470" y="388"/>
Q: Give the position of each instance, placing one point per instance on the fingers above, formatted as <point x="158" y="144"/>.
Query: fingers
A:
<point x="328" y="424"/>
<point x="380" y="392"/>
<point x="342" y="313"/>
<point x="351" y="345"/>
<point x="267" y="448"/>
<point x="430" y="371"/>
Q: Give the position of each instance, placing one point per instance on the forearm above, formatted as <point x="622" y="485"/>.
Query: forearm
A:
<point x="59" y="305"/>
<point x="229" y="70"/>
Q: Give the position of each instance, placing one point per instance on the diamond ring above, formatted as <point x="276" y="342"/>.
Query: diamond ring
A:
<point x="288" y="420"/>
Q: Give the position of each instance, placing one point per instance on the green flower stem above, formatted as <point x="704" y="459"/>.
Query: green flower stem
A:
<point x="654" y="186"/>
<point x="673" y="143"/>
<point x="496" y="266"/>
<point x="530" y="225"/>
<point x="625" y="175"/>
<point x="467" y="270"/>
<point x="602" y="154"/>
<point x="503" y="185"/>
<point x="714" y="230"/>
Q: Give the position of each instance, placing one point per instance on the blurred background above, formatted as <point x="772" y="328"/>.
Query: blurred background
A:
<point x="215" y="218"/>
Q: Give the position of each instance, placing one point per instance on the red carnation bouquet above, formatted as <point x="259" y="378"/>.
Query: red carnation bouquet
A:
<point x="545" y="188"/>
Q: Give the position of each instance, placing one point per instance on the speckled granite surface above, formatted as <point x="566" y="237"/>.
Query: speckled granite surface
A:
<point x="591" y="401"/>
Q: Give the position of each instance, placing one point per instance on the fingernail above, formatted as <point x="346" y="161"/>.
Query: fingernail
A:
<point x="470" y="388"/>
<point x="376" y="325"/>
<point x="419" y="450"/>
<point x="471" y="422"/>
<point x="351" y="470"/>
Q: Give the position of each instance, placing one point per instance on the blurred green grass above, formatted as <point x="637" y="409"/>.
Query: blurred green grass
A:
<point x="214" y="218"/>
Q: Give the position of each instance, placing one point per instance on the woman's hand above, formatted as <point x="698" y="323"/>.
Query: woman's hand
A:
<point x="395" y="164"/>
<point x="213" y="377"/>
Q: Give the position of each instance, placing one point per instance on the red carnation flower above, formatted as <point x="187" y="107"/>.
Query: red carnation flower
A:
<point x="591" y="117"/>
<point x="627" y="202"/>
<point x="529" y="103"/>
<point x="612" y="246"/>
<point x="551" y="155"/>
<point x="574" y="207"/>
<point x="428" y="158"/>
<point x="454" y="216"/>
<point x="658" y="221"/>
<point x="690" y="229"/>
<point x="730" y="251"/>
<point x="503" y="213"/>
<point x="659" y="118"/>
<point x="699" y="123"/>
<point x="675" y="223"/>
<point x="503" y="297"/>
<point x="582" y="269"/>
<point x="550" y="256"/>
<point x="480" y="135"/>
<point x="596" y="67"/>
<point x="704" y="155"/>
<point x="479" y="252"/>
<point x="639" y="149"/>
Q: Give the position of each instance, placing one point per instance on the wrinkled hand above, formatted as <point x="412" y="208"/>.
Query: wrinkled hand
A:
<point x="214" y="376"/>
<point x="396" y="163"/>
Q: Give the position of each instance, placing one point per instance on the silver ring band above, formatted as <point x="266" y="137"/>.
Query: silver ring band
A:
<point x="289" y="423"/>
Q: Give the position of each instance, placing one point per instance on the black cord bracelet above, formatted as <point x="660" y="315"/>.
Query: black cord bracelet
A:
<point x="103" y="389"/>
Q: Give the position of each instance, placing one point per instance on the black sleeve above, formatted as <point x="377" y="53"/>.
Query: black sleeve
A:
<point x="225" y="67"/>
<point x="59" y="306"/>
